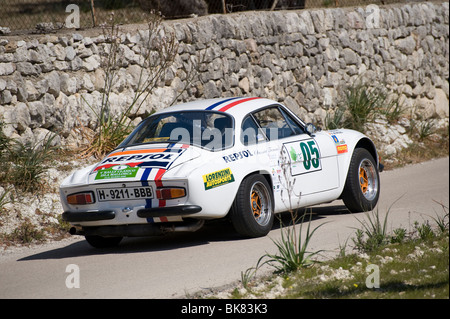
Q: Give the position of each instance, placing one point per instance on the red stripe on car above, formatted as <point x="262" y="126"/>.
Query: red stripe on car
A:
<point x="228" y="106"/>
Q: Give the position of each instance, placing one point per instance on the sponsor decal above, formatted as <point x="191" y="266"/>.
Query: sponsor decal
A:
<point x="335" y="139"/>
<point x="156" y="158"/>
<point x="117" y="171"/>
<point x="341" y="146"/>
<point x="218" y="178"/>
<point x="304" y="156"/>
<point x="237" y="156"/>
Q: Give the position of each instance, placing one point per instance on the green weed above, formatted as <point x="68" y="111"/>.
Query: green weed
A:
<point x="374" y="233"/>
<point x="363" y="103"/>
<point x="29" y="162"/>
<point x="158" y="55"/>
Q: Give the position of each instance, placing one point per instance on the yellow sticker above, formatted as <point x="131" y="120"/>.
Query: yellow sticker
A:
<point x="218" y="178"/>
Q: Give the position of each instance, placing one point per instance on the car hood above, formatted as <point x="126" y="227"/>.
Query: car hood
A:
<point x="134" y="164"/>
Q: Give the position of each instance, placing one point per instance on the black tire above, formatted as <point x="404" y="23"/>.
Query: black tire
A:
<point x="362" y="187"/>
<point x="103" y="242"/>
<point x="252" y="212"/>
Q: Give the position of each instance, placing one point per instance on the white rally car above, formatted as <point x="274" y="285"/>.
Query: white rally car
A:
<point x="245" y="158"/>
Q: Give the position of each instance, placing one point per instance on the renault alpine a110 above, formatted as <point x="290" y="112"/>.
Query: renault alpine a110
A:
<point x="244" y="158"/>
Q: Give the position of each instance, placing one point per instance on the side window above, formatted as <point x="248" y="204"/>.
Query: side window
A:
<point x="251" y="133"/>
<point x="275" y="125"/>
<point x="294" y="125"/>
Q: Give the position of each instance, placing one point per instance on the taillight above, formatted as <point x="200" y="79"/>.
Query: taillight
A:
<point x="85" y="198"/>
<point x="170" y="193"/>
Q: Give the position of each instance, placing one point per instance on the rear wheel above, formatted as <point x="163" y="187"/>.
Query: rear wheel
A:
<point x="362" y="187"/>
<point x="252" y="212"/>
<point x="103" y="242"/>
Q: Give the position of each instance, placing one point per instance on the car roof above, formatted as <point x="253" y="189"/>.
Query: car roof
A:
<point x="235" y="106"/>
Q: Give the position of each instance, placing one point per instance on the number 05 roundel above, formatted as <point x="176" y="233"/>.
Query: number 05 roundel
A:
<point x="303" y="156"/>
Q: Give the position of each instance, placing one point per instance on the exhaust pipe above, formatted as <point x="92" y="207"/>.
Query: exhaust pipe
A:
<point x="137" y="230"/>
<point x="76" y="231"/>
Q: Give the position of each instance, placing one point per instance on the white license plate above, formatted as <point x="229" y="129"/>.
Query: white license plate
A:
<point x="124" y="193"/>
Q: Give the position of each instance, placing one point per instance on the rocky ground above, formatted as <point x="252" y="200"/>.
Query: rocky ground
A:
<point x="26" y="217"/>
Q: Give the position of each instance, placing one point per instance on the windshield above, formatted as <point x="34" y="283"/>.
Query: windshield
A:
<point x="207" y="129"/>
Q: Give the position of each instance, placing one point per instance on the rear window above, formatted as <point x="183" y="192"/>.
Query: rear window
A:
<point x="207" y="129"/>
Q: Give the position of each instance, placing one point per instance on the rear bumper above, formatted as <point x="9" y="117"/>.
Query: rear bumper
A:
<point x="88" y="216"/>
<point x="169" y="211"/>
<point x="144" y="213"/>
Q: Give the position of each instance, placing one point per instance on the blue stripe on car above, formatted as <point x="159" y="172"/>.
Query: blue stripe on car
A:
<point x="144" y="182"/>
<point x="221" y="102"/>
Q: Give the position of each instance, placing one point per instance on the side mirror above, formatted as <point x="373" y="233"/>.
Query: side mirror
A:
<point x="310" y="128"/>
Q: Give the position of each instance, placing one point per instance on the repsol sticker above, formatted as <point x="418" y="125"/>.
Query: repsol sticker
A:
<point x="237" y="156"/>
<point x="141" y="157"/>
<point x="218" y="178"/>
<point x="154" y="158"/>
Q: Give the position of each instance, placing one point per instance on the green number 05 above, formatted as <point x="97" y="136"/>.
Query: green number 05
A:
<point x="310" y="154"/>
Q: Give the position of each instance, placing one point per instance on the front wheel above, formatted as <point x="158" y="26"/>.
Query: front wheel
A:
<point x="362" y="187"/>
<point x="252" y="212"/>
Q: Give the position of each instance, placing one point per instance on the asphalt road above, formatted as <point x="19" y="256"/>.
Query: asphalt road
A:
<point x="178" y="265"/>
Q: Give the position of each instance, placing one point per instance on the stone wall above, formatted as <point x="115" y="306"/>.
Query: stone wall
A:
<point x="303" y="59"/>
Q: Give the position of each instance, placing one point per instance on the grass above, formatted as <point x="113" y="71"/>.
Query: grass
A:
<point x="293" y="253"/>
<point x="28" y="232"/>
<point x="373" y="234"/>
<point x="415" y="267"/>
<point x="24" y="164"/>
<point x="24" y="168"/>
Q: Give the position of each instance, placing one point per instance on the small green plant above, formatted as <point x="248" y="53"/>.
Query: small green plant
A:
<point x="293" y="252"/>
<point x="425" y="129"/>
<point x="246" y="276"/>
<point x="373" y="234"/>
<point x="424" y="231"/>
<point x="399" y="235"/>
<point x="363" y="103"/>
<point x="335" y="120"/>
<point x="4" y="197"/>
<point x="391" y="108"/>
<point x="25" y="233"/>
<point x="29" y="162"/>
<point x="5" y="141"/>
<point x="343" y="248"/>
<point x="442" y="222"/>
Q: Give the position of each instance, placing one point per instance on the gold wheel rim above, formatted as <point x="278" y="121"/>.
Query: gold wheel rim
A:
<point x="363" y="180"/>
<point x="256" y="204"/>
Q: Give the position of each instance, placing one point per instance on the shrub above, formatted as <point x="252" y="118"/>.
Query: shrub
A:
<point x="158" y="55"/>
<point x="28" y="163"/>
<point x="363" y="103"/>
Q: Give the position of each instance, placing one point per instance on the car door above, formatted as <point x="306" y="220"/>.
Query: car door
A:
<point x="306" y="163"/>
